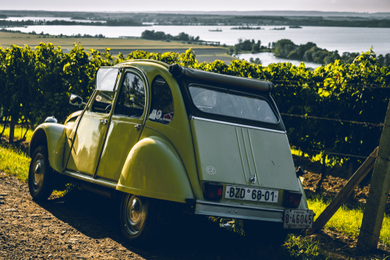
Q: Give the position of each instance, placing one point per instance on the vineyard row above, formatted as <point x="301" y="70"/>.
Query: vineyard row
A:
<point x="36" y="83"/>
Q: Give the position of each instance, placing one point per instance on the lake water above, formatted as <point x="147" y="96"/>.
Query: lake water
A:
<point x="343" y="39"/>
<point x="268" y="58"/>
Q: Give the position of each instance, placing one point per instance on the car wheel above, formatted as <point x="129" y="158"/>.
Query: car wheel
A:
<point x="264" y="232"/>
<point x="138" y="218"/>
<point x="40" y="175"/>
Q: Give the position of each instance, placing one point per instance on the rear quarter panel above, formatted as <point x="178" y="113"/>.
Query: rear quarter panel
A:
<point x="154" y="169"/>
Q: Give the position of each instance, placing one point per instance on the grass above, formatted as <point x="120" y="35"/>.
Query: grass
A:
<point x="14" y="162"/>
<point x="348" y="220"/>
<point x="8" y="38"/>
<point x="19" y="133"/>
<point x="204" y="52"/>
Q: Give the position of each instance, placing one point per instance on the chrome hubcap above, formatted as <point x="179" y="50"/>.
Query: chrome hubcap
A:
<point x="136" y="215"/>
<point x="38" y="172"/>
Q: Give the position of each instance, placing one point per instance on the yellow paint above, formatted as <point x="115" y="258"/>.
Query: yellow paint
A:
<point x="154" y="169"/>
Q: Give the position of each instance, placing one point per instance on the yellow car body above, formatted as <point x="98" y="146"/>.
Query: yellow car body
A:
<point x="215" y="144"/>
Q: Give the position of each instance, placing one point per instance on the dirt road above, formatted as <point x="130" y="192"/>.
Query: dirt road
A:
<point x="83" y="225"/>
<point x="55" y="229"/>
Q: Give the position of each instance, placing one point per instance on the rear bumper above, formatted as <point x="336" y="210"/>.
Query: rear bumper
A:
<point x="237" y="211"/>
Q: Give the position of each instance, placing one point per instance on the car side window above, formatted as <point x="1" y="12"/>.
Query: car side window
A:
<point x="103" y="102"/>
<point x="162" y="108"/>
<point x="131" y="100"/>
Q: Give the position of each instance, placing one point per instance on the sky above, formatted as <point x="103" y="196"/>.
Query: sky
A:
<point x="370" y="6"/>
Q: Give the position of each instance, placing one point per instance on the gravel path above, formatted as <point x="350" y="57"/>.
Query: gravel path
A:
<point x="55" y="229"/>
<point x="82" y="225"/>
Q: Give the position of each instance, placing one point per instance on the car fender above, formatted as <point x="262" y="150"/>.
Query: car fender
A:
<point x="154" y="169"/>
<point x="53" y="136"/>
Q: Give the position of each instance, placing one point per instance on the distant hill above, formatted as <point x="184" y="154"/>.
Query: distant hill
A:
<point x="379" y="15"/>
<point x="228" y="18"/>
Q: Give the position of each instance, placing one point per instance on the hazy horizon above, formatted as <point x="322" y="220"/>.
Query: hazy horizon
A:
<point x="360" y="6"/>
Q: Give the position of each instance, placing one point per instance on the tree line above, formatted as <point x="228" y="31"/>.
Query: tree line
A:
<point x="336" y="109"/>
<point x="309" y="52"/>
<point x="285" y="48"/>
<point x="153" y="35"/>
<point x="46" y="35"/>
<point x="247" y="46"/>
<point x="107" y="22"/>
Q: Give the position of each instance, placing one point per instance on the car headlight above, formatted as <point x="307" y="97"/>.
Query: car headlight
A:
<point x="51" y="119"/>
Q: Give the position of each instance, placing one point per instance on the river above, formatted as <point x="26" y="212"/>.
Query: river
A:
<point x="343" y="39"/>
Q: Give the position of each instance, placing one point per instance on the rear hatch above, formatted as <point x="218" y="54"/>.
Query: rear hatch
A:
<point x="240" y="141"/>
<point x="244" y="162"/>
<point x="243" y="155"/>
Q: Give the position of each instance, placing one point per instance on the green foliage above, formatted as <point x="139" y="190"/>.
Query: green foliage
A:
<point x="307" y="52"/>
<point x="38" y="82"/>
<point x="109" y="22"/>
<point x="255" y="61"/>
<point x="18" y="84"/>
<point x="247" y="46"/>
<point x="304" y="248"/>
<point x="153" y="35"/>
<point x="311" y="53"/>
<point x="122" y="22"/>
<point x="50" y="83"/>
<point x="285" y="48"/>
<point x="21" y="133"/>
<point x="347" y="220"/>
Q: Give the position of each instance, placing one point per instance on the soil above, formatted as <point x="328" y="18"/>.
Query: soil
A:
<point x="82" y="225"/>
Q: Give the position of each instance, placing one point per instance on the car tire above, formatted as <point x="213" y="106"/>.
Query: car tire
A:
<point x="264" y="232"/>
<point x="138" y="218"/>
<point x="40" y="175"/>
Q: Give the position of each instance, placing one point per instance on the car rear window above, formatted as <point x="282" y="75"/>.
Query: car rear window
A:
<point x="233" y="104"/>
<point x="131" y="101"/>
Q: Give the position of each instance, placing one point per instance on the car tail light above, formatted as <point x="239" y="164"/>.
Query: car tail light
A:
<point x="292" y="199"/>
<point x="212" y="191"/>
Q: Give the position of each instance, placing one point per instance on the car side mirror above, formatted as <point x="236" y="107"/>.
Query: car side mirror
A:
<point x="76" y="100"/>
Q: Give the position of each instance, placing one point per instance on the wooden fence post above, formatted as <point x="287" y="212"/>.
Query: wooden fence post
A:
<point x="345" y="192"/>
<point x="12" y="131"/>
<point x="378" y="194"/>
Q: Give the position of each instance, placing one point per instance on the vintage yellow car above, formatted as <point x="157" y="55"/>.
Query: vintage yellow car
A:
<point x="158" y="134"/>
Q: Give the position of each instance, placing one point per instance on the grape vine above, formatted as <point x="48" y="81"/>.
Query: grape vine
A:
<point x="36" y="83"/>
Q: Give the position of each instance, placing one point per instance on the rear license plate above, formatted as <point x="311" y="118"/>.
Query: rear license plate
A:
<point x="251" y="194"/>
<point x="298" y="219"/>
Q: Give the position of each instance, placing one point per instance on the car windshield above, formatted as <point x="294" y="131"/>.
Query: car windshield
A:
<point x="106" y="78"/>
<point x="232" y="104"/>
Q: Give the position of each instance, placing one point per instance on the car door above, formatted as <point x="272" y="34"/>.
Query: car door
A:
<point x="125" y="127"/>
<point x="85" y="142"/>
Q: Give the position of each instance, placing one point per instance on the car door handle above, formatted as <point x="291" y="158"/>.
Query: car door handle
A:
<point x="137" y="126"/>
<point x="103" y="121"/>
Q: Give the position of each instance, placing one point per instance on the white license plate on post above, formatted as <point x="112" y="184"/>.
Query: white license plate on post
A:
<point x="298" y="219"/>
<point x="251" y="194"/>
